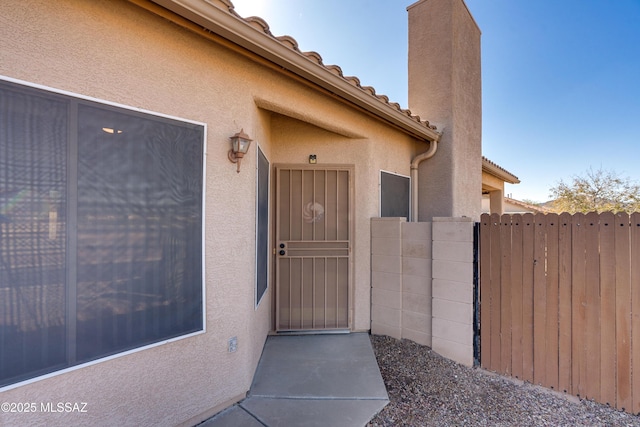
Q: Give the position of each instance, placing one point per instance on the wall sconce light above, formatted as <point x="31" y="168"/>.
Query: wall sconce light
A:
<point x="240" y="143"/>
<point x="313" y="159"/>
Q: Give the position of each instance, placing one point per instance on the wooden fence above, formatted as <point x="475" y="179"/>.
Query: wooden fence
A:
<point x="560" y="302"/>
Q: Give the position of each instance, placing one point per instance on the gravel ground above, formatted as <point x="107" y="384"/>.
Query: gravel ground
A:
<point x="426" y="389"/>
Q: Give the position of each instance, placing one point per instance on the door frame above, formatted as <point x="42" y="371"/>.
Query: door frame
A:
<point x="352" y="233"/>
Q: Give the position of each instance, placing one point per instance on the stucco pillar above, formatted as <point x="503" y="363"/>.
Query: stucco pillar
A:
<point x="452" y="293"/>
<point x="496" y="202"/>
<point x="386" y="276"/>
<point x="445" y="88"/>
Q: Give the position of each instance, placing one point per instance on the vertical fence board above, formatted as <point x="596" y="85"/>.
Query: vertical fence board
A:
<point x="607" y="309"/>
<point x="486" y="256"/>
<point x="592" y="294"/>
<point x="558" y="295"/>
<point x="623" y="312"/>
<point x="505" y="294"/>
<point x="551" y="334"/>
<point x="496" y="284"/>
<point x="564" y="305"/>
<point x="528" y="237"/>
<point x="516" y="295"/>
<point x="578" y="302"/>
<point x="635" y="311"/>
<point x="539" y="300"/>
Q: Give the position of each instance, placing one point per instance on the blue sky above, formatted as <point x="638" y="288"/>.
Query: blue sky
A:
<point x="561" y="78"/>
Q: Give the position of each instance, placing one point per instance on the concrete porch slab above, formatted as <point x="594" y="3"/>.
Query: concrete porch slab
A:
<point x="319" y="366"/>
<point x="311" y="380"/>
<point x="312" y="412"/>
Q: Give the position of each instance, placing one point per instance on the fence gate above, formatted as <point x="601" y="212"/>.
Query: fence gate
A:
<point x="560" y="302"/>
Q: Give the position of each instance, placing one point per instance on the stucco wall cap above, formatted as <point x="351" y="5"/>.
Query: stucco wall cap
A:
<point x="253" y="33"/>
<point x="452" y="219"/>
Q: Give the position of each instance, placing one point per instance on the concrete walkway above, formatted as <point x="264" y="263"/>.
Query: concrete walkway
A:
<point x="311" y="380"/>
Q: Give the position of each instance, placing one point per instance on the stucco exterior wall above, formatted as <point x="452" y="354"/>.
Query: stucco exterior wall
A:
<point x="401" y="279"/>
<point x="452" y="303"/>
<point x="422" y="283"/>
<point x="294" y="141"/>
<point x="118" y="52"/>
<point x="445" y="87"/>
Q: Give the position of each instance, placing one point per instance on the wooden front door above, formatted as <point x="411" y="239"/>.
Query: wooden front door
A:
<point x="313" y="248"/>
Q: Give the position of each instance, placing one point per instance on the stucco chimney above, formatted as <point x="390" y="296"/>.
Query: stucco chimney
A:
<point x="445" y="88"/>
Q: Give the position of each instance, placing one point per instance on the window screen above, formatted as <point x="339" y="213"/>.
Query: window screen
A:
<point x="394" y="195"/>
<point x="100" y="230"/>
<point x="262" y="245"/>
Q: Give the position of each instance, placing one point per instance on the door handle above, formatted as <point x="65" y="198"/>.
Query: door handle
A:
<point x="282" y="252"/>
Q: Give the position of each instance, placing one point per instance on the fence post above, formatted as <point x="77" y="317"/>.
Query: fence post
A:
<point x="476" y="294"/>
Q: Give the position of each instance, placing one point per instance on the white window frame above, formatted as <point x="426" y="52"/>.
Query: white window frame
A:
<point x="203" y="228"/>
<point x="380" y="190"/>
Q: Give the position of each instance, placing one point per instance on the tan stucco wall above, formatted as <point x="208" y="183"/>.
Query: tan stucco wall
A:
<point x="422" y="283"/>
<point x="452" y="302"/>
<point x="445" y="88"/>
<point x="491" y="182"/>
<point x="295" y="140"/>
<point x="116" y="51"/>
<point x="401" y="281"/>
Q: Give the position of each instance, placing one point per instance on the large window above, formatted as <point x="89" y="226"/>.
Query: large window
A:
<point x="100" y="230"/>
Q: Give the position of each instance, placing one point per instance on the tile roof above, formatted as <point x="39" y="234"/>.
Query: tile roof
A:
<point x="291" y="43"/>
<point x="533" y="208"/>
<point x="499" y="171"/>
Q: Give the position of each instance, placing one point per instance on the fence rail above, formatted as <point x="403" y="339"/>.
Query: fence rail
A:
<point x="560" y="302"/>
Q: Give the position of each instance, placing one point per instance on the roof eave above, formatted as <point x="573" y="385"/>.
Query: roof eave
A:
<point x="500" y="173"/>
<point x="240" y="32"/>
<point x="540" y="209"/>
